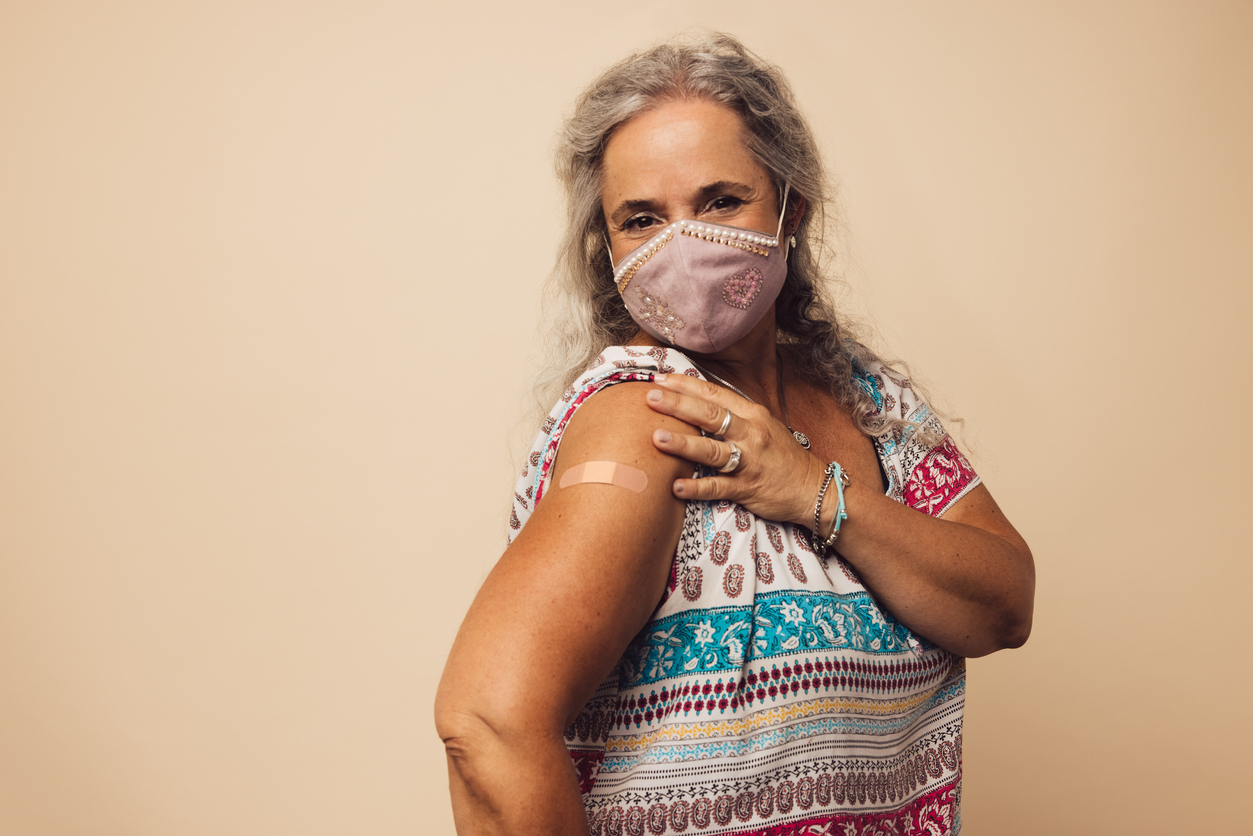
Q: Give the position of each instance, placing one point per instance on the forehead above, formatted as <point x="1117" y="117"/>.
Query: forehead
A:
<point x="677" y="146"/>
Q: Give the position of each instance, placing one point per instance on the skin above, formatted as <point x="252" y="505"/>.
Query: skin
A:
<point x="554" y="616"/>
<point x="588" y="569"/>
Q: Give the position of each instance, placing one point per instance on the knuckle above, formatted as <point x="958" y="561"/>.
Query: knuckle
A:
<point x="696" y="488"/>
<point x="708" y="487"/>
<point x="755" y="435"/>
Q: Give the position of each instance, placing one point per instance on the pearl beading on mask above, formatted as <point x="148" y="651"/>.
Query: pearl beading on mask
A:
<point x="623" y="275"/>
<point x="753" y="242"/>
<point x="749" y="241"/>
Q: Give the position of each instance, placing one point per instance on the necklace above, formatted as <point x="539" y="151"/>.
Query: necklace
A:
<point x="801" y="438"/>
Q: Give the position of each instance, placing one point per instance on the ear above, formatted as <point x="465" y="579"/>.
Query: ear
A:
<point x="795" y="211"/>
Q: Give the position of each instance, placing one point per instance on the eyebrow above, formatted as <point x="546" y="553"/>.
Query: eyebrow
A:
<point x="629" y="207"/>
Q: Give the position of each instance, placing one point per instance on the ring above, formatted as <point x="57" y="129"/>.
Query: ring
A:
<point x="733" y="462"/>
<point x="726" y="422"/>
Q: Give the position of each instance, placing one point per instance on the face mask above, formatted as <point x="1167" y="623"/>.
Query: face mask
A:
<point x="703" y="286"/>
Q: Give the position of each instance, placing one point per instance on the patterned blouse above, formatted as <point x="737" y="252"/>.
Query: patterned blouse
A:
<point x="770" y="693"/>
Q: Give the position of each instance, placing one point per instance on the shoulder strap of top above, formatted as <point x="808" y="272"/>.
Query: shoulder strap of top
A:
<point x="617" y="364"/>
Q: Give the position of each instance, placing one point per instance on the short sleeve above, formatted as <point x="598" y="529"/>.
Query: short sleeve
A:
<point x="925" y="469"/>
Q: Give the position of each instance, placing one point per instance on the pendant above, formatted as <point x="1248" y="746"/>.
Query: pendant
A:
<point x="801" y="438"/>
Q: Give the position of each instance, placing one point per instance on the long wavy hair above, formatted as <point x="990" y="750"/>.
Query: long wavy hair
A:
<point x="583" y="312"/>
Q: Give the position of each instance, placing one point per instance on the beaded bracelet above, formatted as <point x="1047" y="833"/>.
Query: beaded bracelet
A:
<point x="834" y="471"/>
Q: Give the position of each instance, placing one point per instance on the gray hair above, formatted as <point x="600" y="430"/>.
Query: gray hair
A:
<point x="583" y="310"/>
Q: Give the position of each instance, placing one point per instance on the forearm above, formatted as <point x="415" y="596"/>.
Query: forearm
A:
<point x="967" y="589"/>
<point x="511" y="783"/>
<point x="966" y="582"/>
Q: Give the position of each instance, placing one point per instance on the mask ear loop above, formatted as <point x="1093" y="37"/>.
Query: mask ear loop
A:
<point x="608" y="250"/>
<point x="787" y="187"/>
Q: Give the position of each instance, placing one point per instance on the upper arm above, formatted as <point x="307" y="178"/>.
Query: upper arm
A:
<point x="580" y="579"/>
<point x="1016" y="571"/>
<point x="979" y="510"/>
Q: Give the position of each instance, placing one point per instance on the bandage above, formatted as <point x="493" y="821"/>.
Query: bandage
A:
<point x="606" y="473"/>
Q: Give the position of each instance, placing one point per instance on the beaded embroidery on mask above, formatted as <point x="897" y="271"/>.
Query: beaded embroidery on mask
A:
<point x="658" y="314"/>
<point x="740" y="290"/>
<point x="627" y="272"/>
<point x="752" y="242"/>
<point x="743" y="241"/>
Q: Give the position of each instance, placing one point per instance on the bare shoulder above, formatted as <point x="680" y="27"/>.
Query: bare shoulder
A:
<point x="580" y="579"/>
<point x="616" y="424"/>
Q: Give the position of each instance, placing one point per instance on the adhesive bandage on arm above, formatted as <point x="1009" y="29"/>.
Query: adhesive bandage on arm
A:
<point x="606" y="473"/>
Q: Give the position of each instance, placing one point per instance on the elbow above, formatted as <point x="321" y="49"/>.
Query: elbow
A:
<point x="474" y="768"/>
<point x="1016" y="633"/>
<point x="1004" y="636"/>
<point x="459" y="729"/>
<point x="461" y="724"/>
<point x="1017" y="623"/>
<point x="494" y="753"/>
<point x="459" y="720"/>
<point x="470" y="743"/>
<point x="479" y="728"/>
<point x="1013" y="628"/>
<point x="1006" y="627"/>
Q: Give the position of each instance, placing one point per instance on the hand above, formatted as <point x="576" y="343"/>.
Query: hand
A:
<point x="776" y="479"/>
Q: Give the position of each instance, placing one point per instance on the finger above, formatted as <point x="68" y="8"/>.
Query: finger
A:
<point x="704" y="389"/>
<point x="708" y="487"/>
<point x="696" y="449"/>
<point x="705" y="414"/>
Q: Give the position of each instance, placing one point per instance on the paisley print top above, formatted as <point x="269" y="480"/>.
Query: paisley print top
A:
<point x="770" y="693"/>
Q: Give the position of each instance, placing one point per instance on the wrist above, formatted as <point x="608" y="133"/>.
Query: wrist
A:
<point x="829" y="509"/>
<point x="807" y="492"/>
<point x="826" y="515"/>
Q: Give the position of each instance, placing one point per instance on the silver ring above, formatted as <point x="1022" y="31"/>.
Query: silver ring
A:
<point x="726" y="422"/>
<point x="733" y="462"/>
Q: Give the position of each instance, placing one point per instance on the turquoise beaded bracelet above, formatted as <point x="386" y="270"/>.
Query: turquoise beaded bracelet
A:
<point x="834" y="471"/>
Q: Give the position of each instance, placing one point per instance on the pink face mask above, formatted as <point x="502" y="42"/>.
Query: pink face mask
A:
<point x="703" y="286"/>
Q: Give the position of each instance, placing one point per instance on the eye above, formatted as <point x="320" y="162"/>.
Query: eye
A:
<point x="724" y="203"/>
<point x="640" y="223"/>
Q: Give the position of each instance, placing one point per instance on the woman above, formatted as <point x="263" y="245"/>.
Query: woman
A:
<point x="672" y="612"/>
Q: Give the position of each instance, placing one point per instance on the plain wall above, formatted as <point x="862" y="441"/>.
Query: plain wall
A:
<point x="268" y="282"/>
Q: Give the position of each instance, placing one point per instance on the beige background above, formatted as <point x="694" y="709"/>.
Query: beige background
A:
<point x="268" y="275"/>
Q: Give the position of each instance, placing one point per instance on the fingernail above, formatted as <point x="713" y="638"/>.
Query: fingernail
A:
<point x="663" y="436"/>
<point x="678" y="487"/>
<point x="654" y="395"/>
<point x="659" y="378"/>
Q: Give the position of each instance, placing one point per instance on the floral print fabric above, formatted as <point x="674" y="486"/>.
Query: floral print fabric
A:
<point x="770" y="693"/>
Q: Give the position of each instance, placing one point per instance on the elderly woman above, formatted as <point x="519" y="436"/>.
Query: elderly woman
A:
<point x="746" y="561"/>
